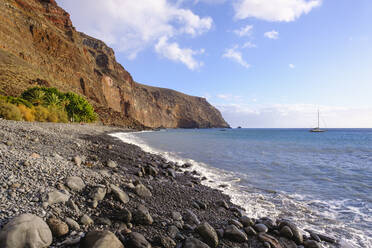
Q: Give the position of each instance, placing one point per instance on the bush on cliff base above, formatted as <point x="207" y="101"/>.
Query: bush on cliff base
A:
<point x="77" y="107"/>
<point x="10" y="111"/>
<point x="47" y="105"/>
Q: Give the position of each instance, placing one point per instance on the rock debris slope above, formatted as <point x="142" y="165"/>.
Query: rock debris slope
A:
<point x="40" y="46"/>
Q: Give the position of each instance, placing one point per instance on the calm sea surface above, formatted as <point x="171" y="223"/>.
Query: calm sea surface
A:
<point x="322" y="181"/>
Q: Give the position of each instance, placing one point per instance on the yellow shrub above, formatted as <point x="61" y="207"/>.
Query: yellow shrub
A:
<point x="57" y="114"/>
<point x="10" y="111"/>
<point x="41" y="114"/>
<point x="27" y="113"/>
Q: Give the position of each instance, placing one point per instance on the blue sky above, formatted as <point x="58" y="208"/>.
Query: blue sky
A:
<point x="268" y="63"/>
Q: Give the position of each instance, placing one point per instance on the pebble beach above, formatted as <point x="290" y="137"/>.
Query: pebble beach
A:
<point x="71" y="185"/>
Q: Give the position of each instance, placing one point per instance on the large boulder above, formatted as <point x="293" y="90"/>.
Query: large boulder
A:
<point x="58" y="227"/>
<point x="26" y="230"/>
<point x="121" y="195"/>
<point x="194" y="243"/>
<point x="208" y="234"/>
<point x="142" y="191"/>
<point x="137" y="240"/>
<point x="142" y="216"/>
<point x="234" y="234"/>
<point x="100" y="239"/>
<point x="75" y="183"/>
<point x="57" y="197"/>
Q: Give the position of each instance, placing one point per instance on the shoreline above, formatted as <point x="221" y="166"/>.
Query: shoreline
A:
<point x="37" y="158"/>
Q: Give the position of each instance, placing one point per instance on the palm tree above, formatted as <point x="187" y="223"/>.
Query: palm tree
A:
<point x="53" y="100"/>
<point x="37" y="97"/>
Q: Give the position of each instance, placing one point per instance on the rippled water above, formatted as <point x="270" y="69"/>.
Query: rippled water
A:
<point x="322" y="181"/>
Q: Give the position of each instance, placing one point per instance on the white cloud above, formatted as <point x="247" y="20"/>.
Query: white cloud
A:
<point x="274" y="10"/>
<point x="274" y="35"/>
<point x="173" y="52"/>
<point x="292" y="66"/>
<point x="228" y="97"/>
<point x="132" y="26"/>
<point x="296" y="116"/>
<point x="249" y="45"/>
<point x="244" y="31"/>
<point x="210" y="1"/>
<point x="235" y="55"/>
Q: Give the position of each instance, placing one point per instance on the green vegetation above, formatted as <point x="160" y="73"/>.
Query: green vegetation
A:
<point x="47" y="105"/>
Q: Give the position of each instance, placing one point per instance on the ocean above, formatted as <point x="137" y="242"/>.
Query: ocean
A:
<point x="321" y="181"/>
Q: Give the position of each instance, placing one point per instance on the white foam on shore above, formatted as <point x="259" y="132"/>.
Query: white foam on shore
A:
<point x="316" y="215"/>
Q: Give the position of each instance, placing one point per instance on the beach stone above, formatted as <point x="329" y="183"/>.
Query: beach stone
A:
<point x="152" y="171"/>
<point x="26" y="230"/>
<point x="223" y="204"/>
<point x="121" y="195"/>
<point x="57" y="226"/>
<point x="77" y="160"/>
<point x="166" y="242"/>
<point x="250" y="231"/>
<point x="125" y="215"/>
<point x="173" y="231"/>
<point x="220" y="232"/>
<point x="75" y="183"/>
<point x="100" y="239"/>
<point x="194" y="243"/>
<point x="286" y="243"/>
<point x="311" y="244"/>
<point x="208" y="234"/>
<point x="137" y="240"/>
<point x="286" y="232"/>
<point x="142" y="216"/>
<point x="72" y="224"/>
<point x="274" y="243"/>
<point x="297" y="236"/>
<point x="73" y="206"/>
<point x="261" y="228"/>
<point x="142" y="191"/>
<point x="86" y="220"/>
<point x="246" y="221"/>
<point x="176" y="216"/>
<point x="232" y="233"/>
<point x="171" y="172"/>
<point x="236" y="223"/>
<point x="98" y="193"/>
<point x="191" y="218"/>
<point x="57" y="197"/>
<point x="111" y="164"/>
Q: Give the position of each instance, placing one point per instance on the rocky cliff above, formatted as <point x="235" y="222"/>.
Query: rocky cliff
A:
<point x="40" y="46"/>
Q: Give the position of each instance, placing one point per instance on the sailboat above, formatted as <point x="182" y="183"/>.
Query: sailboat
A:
<point x="317" y="129"/>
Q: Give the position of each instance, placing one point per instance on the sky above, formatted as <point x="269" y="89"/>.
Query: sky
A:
<point x="262" y="63"/>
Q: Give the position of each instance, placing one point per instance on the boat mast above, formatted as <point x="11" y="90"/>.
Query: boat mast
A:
<point x="318" y="119"/>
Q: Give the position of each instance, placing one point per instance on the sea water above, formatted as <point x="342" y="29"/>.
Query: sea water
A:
<point x="321" y="181"/>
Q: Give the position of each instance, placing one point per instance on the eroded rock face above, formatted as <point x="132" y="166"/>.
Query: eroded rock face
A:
<point x="40" y="46"/>
<point x="26" y="230"/>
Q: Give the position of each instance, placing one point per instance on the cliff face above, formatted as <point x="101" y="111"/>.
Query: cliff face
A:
<point x="40" y="46"/>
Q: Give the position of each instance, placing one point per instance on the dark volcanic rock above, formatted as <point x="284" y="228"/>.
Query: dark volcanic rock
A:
<point x="142" y="216"/>
<point x="297" y="236"/>
<point x="100" y="239"/>
<point x="208" y="234"/>
<point x="194" y="243"/>
<point x="234" y="234"/>
<point x="137" y="240"/>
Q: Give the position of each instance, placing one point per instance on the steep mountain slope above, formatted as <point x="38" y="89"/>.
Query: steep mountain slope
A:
<point x="40" y="46"/>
